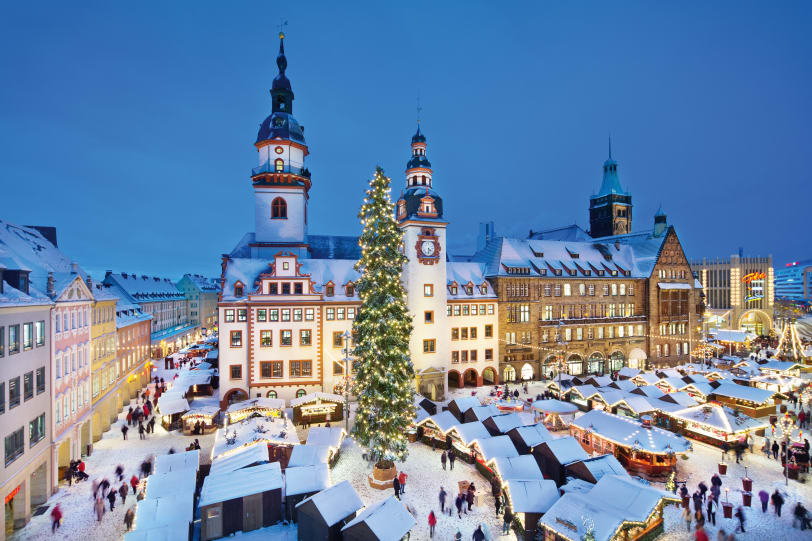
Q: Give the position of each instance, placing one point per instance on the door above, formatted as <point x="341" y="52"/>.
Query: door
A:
<point x="214" y="522"/>
<point x="252" y="508"/>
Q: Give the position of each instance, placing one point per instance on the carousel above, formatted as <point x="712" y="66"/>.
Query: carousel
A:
<point x="555" y="414"/>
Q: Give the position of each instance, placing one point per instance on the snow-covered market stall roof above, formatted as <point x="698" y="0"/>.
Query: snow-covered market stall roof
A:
<point x="730" y="335"/>
<point x="318" y="396"/>
<point x="249" y="455"/>
<point x="522" y="467"/>
<point x="443" y="421"/>
<point x="254" y="430"/>
<point x="309" y="455"/>
<point x="713" y="418"/>
<point x="201" y="412"/>
<point x="163" y="512"/>
<point x="171" y="532"/>
<point x="480" y="413"/>
<point x="552" y="405"/>
<point x="566" y="449"/>
<point x="170" y="404"/>
<point x="336" y="502"/>
<point x="531" y="496"/>
<point x="630" y="433"/>
<point x="239" y="483"/>
<point x="388" y="520"/>
<point x="262" y="407"/>
<point x="496" y="446"/>
<point x="469" y="432"/>
<point x="162" y="485"/>
<point x="331" y="436"/>
<point x="306" y="479"/>
<point x="745" y="393"/>
<point x="178" y="461"/>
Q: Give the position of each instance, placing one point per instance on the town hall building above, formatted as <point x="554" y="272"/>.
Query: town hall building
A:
<point x="512" y="310"/>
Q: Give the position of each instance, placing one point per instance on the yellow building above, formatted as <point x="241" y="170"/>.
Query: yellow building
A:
<point x="104" y="368"/>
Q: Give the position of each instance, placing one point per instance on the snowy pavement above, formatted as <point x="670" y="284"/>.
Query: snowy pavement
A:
<point x="422" y="490"/>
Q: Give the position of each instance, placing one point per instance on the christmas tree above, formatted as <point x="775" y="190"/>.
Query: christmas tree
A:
<point x="382" y="328"/>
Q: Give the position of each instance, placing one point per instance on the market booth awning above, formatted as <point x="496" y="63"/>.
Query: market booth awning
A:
<point x="716" y="424"/>
<point x="255" y="407"/>
<point x="317" y="407"/>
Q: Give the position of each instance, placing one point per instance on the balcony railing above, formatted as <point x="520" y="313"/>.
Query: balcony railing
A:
<point x="268" y="167"/>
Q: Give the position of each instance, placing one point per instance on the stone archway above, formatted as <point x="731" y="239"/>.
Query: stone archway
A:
<point x="508" y="373"/>
<point x="455" y="379"/>
<point x="232" y="396"/>
<point x="470" y="378"/>
<point x="755" y="321"/>
<point x="596" y="363"/>
<point x="550" y="366"/>
<point x="490" y="376"/>
<point x="637" y="359"/>
<point x="616" y="360"/>
<point x="575" y="365"/>
<point x="527" y="372"/>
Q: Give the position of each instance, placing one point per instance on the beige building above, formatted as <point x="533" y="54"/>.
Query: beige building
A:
<point x="201" y="299"/>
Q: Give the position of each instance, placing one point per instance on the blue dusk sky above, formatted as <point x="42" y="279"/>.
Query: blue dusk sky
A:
<point x="130" y="125"/>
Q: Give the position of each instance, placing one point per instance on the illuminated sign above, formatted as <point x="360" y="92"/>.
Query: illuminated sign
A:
<point x="753" y="298"/>
<point x="747" y="278"/>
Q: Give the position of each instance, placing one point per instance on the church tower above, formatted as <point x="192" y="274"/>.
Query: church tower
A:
<point x="419" y="212"/>
<point x="281" y="181"/>
<point x="610" y="211"/>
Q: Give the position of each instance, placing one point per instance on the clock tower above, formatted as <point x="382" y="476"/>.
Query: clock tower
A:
<point x="419" y="212"/>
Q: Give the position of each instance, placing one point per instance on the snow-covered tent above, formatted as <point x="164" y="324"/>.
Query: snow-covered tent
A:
<point x="255" y="407"/>
<point x="302" y="482"/>
<point x="646" y="378"/>
<point x="171" y="406"/>
<point x="438" y="426"/>
<point x="634" y="405"/>
<point x="182" y="482"/>
<point x="205" y="415"/>
<point x="331" y="437"/>
<point x="487" y="449"/>
<point x="480" y="413"/>
<point x="524" y="438"/>
<point x="555" y="414"/>
<point x="554" y="454"/>
<point x="459" y="406"/>
<point x="387" y="520"/>
<point x="529" y="500"/>
<point x="279" y="435"/>
<point x="715" y="424"/>
<point x="249" y="455"/>
<point x="750" y="400"/>
<point x="309" y="455"/>
<point x="170" y="532"/>
<point x="499" y="425"/>
<point x="627" y="373"/>
<point x="178" y="461"/>
<point x="522" y="467"/>
<point x="242" y="500"/>
<point x="463" y="435"/>
<point x="594" y="468"/>
<point x="322" y="515"/>
<point x="165" y="512"/>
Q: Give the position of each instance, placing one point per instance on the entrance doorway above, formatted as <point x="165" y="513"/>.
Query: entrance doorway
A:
<point x="527" y="372"/>
<point x="596" y="363"/>
<point x="509" y="373"/>
<point x="15" y="509"/>
<point x="39" y="485"/>
<point x="616" y="360"/>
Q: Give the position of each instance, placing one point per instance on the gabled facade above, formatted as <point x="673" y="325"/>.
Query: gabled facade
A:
<point x="201" y="300"/>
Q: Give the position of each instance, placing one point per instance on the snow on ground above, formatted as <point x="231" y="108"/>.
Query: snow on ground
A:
<point x="79" y="520"/>
<point x="426" y="475"/>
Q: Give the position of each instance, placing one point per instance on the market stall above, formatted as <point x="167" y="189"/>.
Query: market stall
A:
<point x="555" y="414"/>
<point x="328" y="436"/>
<point x="715" y="424"/>
<point x="200" y="420"/>
<point x="749" y="400"/>
<point x="317" y="407"/>
<point x="277" y="434"/>
<point x="255" y="407"/>
<point x="437" y="427"/>
<point x="172" y="406"/>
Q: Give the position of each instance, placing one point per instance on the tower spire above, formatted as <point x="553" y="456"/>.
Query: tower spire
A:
<point x="610" y="147"/>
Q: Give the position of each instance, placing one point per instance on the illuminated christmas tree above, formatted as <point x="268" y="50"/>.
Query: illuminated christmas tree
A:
<point x="382" y="328"/>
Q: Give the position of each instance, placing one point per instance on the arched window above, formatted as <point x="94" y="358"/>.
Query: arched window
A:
<point x="279" y="209"/>
<point x="300" y="393"/>
<point x="272" y="394"/>
<point x="423" y="180"/>
<point x="279" y="165"/>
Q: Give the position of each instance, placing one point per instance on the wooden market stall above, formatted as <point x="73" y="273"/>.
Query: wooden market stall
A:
<point x="529" y="500"/>
<point x="172" y="406"/>
<point x="555" y="414"/>
<point x="322" y="515"/>
<point x="463" y="437"/>
<point x="278" y="435"/>
<point x="302" y="482"/>
<point x="386" y="520"/>
<point x="594" y="468"/>
<point x="525" y="438"/>
<point x="640" y="447"/>
<point x="178" y="461"/>
<point x="437" y="427"/>
<point x="480" y="413"/>
<point x="715" y="424"/>
<point x="200" y="420"/>
<point x="749" y="400"/>
<point x="459" y="406"/>
<point x="317" y="407"/>
<point x="554" y="454"/>
<point x="255" y="407"/>
<point x="330" y="437"/>
<point x="501" y="424"/>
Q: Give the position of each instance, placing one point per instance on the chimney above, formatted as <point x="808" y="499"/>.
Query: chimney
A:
<point x="50" y="285"/>
<point x="107" y="273"/>
<point x="660" y="223"/>
<point x="74" y="267"/>
<point x="89" y="282"/>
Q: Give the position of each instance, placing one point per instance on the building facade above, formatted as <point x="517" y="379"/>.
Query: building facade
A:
<point x="201" y="300"/>
<point x="25" y="401"/>
<point x="793" y="281"/>
<point x="739" y="292"/>
<point x="165" y="303"/>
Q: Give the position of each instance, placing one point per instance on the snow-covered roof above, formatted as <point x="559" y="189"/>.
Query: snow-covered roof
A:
<point x="532" y="496"/>
<point x="552" y="405"/>
<point x="468" y="272"/>
<point x="177" y="461"/>
<point x="602" y="465"/>
<point x="609" y="395"/>
<point x="780" y="366"/>
<point x="465" y="403"/>
<point x="202" y="283"/>
<point x="242" y="457"/>
<point x="743" y="392"/>
<point x="669" y="373"/>
<point x="673" y="285"/>
<point x="625" y="385"/>
<point x="257" y="403"/>
<point x="496" y="446"/>
<point x="483" y="412"/>
<point x="574" y="484"/>
<point x="630" y="433"/>
<point x="170" y="532"/>
<point x="523" y="467"/>
<point x="316" y="396"/>
<point x="336" y="502"/>
<point x="730" y="335"/>
<point x="331" y="436"/>
<point x="254" y="430"/>
<point x="599" y="381"/>
<point x="225" y="486"/>
<point x="651" y="391"/>
<point x="444" y="420"/>
<point x="638" y="404"/>
<point x="306" y="479"/>
<point x="566" y="450"/>
<point x="309" y="455"/>
<point x="585" y="391"/>
<point x="469" y="432"/>
<point x="635" y="499"/>
<point x="209" y="411"/>
<point x="533" y="435"/>
<point x="145" y="288"/>
<point x="628" y="372"/>
<point x="171" y="403"/>
<point x="162" y="485"/>
<point x="647" y="378"/>
<point x="720" y="418"/>
<point x="506" y="422"/>
<point x="387" y="519"/>
<point x="163" y="512"/>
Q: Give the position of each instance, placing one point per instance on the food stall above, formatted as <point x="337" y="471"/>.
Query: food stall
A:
<point x="204" y="415"/>
<point x="555" y="414"/>
<point x="255" y="407"/>
<point x="317" y="407"/>
<point x="715" y="424"/>
<point x="171" y="406"/>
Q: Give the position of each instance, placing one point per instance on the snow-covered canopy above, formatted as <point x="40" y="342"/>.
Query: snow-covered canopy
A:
<point x="637" y="404"/>
<point x="533" y="435"/>
<point x="316" y="397"/>
<point x="306" y="479"/>
<point x="254" y="430"/>
<point x="240" y="458"/>
<point x="331" y="436"/>
<point x="717" y="417"/>
<point x="628" y="372"/>
<point x="483" y="412"/>
<point x="163" y="512"/>
<point x="388" y="519"/>
<point x="496" y="446"/>
<point x="554" y="406"/>
<point x="256" y="404"/>
<point x="170" y="532"/>
<point x="201" y="411"/>
<point x="630" y="433"/>
<point x="469" y="432"/>
<point x="531" y="496"/>
<point x="309" y="455"/>
<point x="178" y="461"/>
<point x="522" y="467"/>
<point x="336" y="502"/>
<point x="730" y="335"/>
<point x="240" y="483"/>
<point x="744" y="392"/>
<point x="444" y="421"/>
<point x="170" y="404"/>
<point x="465" y="403"/>
<point x="646" y="378"/>
<point x="162" y="485"/>
<point x="566" y="450"/>
<point x="602" y="465"/>
<point x="506" y="422"/>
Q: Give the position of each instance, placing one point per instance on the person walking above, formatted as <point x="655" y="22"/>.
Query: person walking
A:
<point x="443" y="458"/>
<point x="458" y="505"/>
<point x="120" y="472"/>
<point x="479" y="535"/>
<point x="80" y="470"/>
<point x="442" y="496"/>
<point x="775" y="450"/>
<point x="69" y="475"/>
<point x="703" y="489"/>
<point x="469" y="497"/>
<point x="451" y="459"/>
<point x="128" y="519"/>
<point x="151" y="424"/>
<point x="130" y="416"/>
<point x="124" y="430"/>
<point x="396" y="486"/>
<point x="141" y="431"/>
<point x="134" y="482"/>
<point x="123" y="490"/>
<point x="432" y="524"/>
<point x="712" y="509"/>
<point x="497" y="502"/>
<point x="700" y="534"/>
<point x="111" y="497"/>
<point x="99" y="507"/>
<point x="725" y="449"/>
<point x="697" y="501"/>
<point x="687" y="517"/>
<point x="778" y="501"/>
<point x="508" y="518"/>
<point x="402" y="479"/>
<point x="766" y="447"/>
<point x="740" y="515"/>
<point x="56" y="518"/>
<point x="764" y="497"/>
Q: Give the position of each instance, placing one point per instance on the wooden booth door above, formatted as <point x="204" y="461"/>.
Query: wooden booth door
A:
<point x="214" y="522"/>
<point x="252" y="508"/>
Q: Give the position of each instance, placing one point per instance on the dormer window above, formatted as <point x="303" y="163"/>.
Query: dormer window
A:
<point x="453" y="289"/>
<point x="401" y="209"/>
<point x="331" y="290"/>
<point x="484" y="289"/>
<point x="238" y="290"/>
<point x="350" y="290"/>
<point x="469" y="290"/>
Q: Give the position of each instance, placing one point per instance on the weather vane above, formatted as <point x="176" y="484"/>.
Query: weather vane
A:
<point x="282" y="24"/>
<point x="419" y="109"/>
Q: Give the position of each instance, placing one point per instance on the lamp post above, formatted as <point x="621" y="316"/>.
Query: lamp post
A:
<point x="346" y="351"/>
<point x="562" y="345"/>
<point x="786" y="428"/>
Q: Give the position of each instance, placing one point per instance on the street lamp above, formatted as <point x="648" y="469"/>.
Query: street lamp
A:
<point x="346" y="351"/>
<point x="562" y="345"/>
<point x="786" y="428"/>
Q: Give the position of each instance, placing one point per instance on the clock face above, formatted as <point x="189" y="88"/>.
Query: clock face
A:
<point x="279" y="150"/>
<point x="427" y="248"/>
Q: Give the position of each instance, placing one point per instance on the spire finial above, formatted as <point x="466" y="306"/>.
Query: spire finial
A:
<point x="419" y="110"/>
<point x="610" y="147"/>
<point x="281" y="61"/>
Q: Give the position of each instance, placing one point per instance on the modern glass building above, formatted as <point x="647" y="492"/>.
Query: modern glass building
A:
<point x="793" y="281"/>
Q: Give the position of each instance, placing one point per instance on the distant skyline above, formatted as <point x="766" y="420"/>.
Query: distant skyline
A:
<point x="130" y="127"/>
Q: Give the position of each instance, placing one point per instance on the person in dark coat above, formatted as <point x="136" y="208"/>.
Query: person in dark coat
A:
<point x="725" y="449"/>
<point x="764" y="497"/>
<point x="712" y="509"/>
<point x="120" y="472"/>
<point x="497" y="503"/>
<point x="778" y="501"/>
<point x="775" y="450"/>
<point x="458" y="504"/>
<point x="111" y="497"/>
<point x="479" y="535"/>
<point x="697" y="501"/>
<point x="469" y="497"/>
<point x="448" y="442"/>
<point x="442" y="496"/>
<point x="141" y="431"/>
<point x="451" y="459"/>
<point x="396" y="487"/>
<point x="703" y="489"/>
<point x="740" y="515"/>
<point x="123" y="490"/>
<point x="683" y="491"/>
<point x="443" y="458"/>
<point x="124" y="430"/>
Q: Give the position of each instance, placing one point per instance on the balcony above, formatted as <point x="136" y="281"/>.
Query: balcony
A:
<point x="267" y="167"/>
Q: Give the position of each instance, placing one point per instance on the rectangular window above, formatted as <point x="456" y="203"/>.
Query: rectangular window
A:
<point x="340" y="314"/>
<point x="273" y="288"/>
<point x="28" y="385"/>
<point x="266" y="368"/>
<point x="331" y="314"/>
<point x="448" y="310"/>
<point x="13" y="392"/>
<point x="474" y="309"/>
<point x="456" y="309"/>
<point x="15" y="444"/>
<point x="510" y="338"/>
<point x="464" y="356"/>
<point x="309" y="314"/>
<point x="36" y="430"/>
<point x="285" y="314"/>
<point x="567" y="334"/>
<point x="305" y="337"/>
<point x="236" y="339"/>
<point x="286" y="338"/>
<point x="630" y="290"/>
<point x="428" y="290"/>
<point x="567" y="290"/>
<point x="524" y="313"/>
<point x="455" y="356"/>
<point x="557" y="290"/>
<point x="547" y="290"/>
<point x="286" y="288"/>
<point x="242" y="314"/>
<point x="297" y="314"/>
<point x="273" y="315"/>
<point x="488" y="354"/>
<point x="605" y="290"/>
<point x="13" y="339"/>
<point x="2" y="397"/>
<point x="614" y="289"/>
<point x="473" y="355"/>
<point x="464" y="333"/>
<point x="622" y="289"/>
<point x="300" y="368"/>
<point x="235" y="371"/>
<point x="465" y="309"/>
<point x="579" y="333"/>
<point x="265" y="339"/>
<point x="473" y="333"/>
<point x="229" y="315"/>
<point x="610" y="332"/>
<point x="620" y="331"/>
<point x="351" y="313"/>
<point x="276" y="369"/>
<point x="428" y="316"/>
<point x="39" y="331"/>
<point x="262" y="315"/>
<point x="297" y="288"/>
<point x="429" y="346"/>
<point x="455" y="333"/>
<point x="600" y="333"/>
<point x="338" y="339"/>
<point x="40" y="379"/>
<point x="488" y="331"/>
